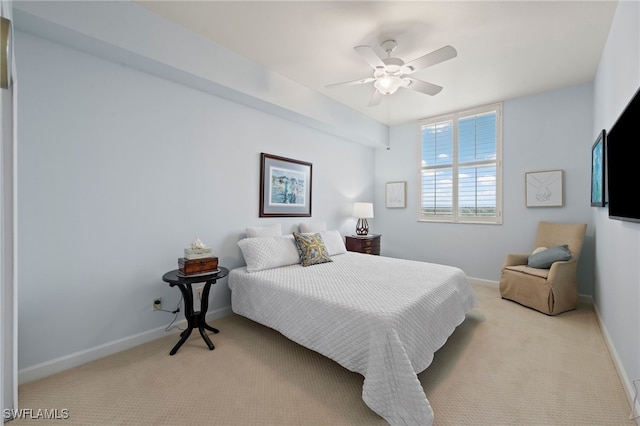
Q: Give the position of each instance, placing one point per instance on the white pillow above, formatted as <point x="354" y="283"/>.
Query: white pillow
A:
<point x="312" y="227"/>
<point x="333" y="242"/>
<point x="269" y="252"/>
<point x="264" y="231"/>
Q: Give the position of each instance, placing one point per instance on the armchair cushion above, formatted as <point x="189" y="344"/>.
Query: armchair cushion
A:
<point x="542" y="273"/>
<point x="545" y="258"/>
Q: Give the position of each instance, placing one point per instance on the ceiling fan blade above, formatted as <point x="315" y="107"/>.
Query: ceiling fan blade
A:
<point x="423" y="87"/>
<point x="370" y="56"/>
<point x="353" y="83"/>
<point x="443" y="54"/>
<point x="375" y="98"/>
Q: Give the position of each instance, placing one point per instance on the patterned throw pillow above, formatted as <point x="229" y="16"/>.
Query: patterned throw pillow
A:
<point x="312" y="249"/>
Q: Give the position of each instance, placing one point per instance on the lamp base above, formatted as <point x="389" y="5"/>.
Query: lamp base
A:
<point x="362" y="227"/>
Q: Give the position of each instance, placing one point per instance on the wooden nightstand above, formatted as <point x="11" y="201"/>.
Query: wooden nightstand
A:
<point x="369" y="244"/>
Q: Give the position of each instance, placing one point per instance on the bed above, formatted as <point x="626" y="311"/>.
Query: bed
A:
<point x="378" y="316"/>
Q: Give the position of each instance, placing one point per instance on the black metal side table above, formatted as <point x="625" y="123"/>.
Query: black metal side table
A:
<point x="195" y="319"/>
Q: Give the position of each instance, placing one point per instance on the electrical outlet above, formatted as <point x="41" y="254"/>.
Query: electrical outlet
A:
<point x="157" y="304"/>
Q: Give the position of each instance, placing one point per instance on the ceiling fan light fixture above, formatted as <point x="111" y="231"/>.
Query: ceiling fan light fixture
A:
<point x="389" y="74"/>
<point x="388" y="84"/>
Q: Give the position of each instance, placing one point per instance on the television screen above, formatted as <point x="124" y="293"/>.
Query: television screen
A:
<point x="623" y="147"/>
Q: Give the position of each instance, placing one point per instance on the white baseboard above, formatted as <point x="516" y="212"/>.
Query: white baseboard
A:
<point x="486" y="283"/>
<point x="76" y="359"/>
<point x="626" y="382"/>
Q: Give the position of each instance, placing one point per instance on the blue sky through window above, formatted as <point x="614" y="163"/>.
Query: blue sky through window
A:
<point x="476" y="179"/>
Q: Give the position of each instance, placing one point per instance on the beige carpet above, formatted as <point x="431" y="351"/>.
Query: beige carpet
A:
<point x="505" y="365"/>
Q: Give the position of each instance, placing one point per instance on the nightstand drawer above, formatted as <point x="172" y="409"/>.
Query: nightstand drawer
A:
<point x="369" y="244"/>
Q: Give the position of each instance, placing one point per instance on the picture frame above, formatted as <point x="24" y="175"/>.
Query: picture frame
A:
<point x="396" y="195"/>
<point x="598" y="171"/>
<point x="544" y="188"/>
<point x="6" y="52"/>
<point x="285" y="187"/>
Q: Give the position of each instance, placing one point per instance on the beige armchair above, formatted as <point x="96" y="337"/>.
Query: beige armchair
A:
<point x="550" y="291"/>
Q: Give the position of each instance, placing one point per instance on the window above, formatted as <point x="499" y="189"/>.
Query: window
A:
<point x="460" y="171"/>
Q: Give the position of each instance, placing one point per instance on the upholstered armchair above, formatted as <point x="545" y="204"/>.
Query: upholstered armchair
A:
<point x="552" y="289"/>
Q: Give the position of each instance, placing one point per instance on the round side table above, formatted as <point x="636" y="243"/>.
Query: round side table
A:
<point x="195" y="319"/>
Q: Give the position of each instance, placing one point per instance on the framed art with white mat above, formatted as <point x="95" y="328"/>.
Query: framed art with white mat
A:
<point x="396" y="195"/>
<point x="544" y="189"/>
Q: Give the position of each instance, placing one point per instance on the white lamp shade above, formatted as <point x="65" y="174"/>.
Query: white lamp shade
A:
<point x="363" y="210"/>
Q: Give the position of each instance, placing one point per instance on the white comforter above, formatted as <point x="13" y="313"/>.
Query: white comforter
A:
<point x="381" y="317"/>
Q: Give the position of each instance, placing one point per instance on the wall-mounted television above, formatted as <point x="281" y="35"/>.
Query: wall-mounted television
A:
<point x="623" y="149"/>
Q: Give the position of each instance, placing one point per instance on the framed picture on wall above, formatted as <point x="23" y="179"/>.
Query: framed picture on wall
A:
<point x="285" y="187"/>
<point x="395" y="195"/>
<point x="544" y="189"/>
<point x="598" y="171"/>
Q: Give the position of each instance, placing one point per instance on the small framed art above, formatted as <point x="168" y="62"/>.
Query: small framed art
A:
<point x="285" y="187"/>
<point x="396" y="195"/>
<point x="544" y="189"/>
<point x="598" y="172"/>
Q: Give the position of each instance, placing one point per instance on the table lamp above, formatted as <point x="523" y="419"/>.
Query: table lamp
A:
<point x="362" y="211"/>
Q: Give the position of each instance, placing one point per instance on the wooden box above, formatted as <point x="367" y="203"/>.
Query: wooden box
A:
<point x="197" y="266"/>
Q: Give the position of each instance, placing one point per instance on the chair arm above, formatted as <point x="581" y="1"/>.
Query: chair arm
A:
<point x="563" y="272"/>
<point x="514" y="259"/>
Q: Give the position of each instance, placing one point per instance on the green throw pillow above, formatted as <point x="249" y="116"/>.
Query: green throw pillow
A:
<point x="546" y="258"/>
<point x="312" y="249"/>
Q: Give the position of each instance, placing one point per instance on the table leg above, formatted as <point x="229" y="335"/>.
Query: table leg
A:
<point x="208" y="327"/>
<point x="195" y="319"/>
<point x="185" y="335"/>
<point x="206" y="338"/>
<point x="204" y="305"/>
<point x="187" y="296"/>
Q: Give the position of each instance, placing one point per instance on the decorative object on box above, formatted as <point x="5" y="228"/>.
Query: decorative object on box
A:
<point x="285" y="187"/>
<point x="198" y="259"/>
<point x="395" y="195"/>
<point x="198" y="250"/>
<point x="362" y="211"/>
<point x="197" y="244"/>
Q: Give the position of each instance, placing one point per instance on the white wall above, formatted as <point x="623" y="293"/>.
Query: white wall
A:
<point x="8" y="278"/>
<point x="125" y="32"/>
<point x="119" y="170"/>
<point x="540" y="132"/>
<point x="617" y="253"/>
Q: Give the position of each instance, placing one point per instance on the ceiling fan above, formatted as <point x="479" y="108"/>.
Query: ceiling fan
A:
<point x="390" y="74"/>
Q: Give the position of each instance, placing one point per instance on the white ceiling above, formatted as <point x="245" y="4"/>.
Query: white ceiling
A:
<point x="506" y="49"/>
